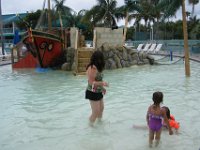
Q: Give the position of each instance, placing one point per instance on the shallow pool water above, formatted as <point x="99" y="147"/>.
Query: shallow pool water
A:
<point x="47" y="110"/>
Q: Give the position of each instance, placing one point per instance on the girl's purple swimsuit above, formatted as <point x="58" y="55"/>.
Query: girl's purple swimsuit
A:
<point x="155" y="122"/>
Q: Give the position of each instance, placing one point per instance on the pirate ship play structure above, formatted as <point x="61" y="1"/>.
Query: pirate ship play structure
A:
<point x="45" y="47"/>
<point x="41" y="47"/>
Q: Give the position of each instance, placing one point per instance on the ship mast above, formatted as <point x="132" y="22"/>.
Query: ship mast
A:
<point x="49" y="15"/>
<point x="1" y="30"/>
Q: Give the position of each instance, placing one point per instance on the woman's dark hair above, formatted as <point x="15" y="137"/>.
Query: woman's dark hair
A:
<point x="167" y="111"/>
<point x="97" y="59"/>
<point x="157" y="98"/>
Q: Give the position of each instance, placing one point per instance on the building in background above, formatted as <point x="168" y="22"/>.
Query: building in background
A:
<point x="9" y="29"/>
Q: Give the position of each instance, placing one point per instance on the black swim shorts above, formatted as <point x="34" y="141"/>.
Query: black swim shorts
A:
<point x="93" y="96"/>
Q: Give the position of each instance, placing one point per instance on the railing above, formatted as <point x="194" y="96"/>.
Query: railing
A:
<point x="7" y="41"/>
<point x="7" y="30"/>
<point x="10" y="31"/>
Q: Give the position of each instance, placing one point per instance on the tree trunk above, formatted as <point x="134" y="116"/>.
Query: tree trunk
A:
<point x="125" y="28"/>
<point x="185" y="33"/>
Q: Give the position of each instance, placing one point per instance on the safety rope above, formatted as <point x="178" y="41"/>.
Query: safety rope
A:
<point x="169" y="62"/>
<point x="161" y="58"/>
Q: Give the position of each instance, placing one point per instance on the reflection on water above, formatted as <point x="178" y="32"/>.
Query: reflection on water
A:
<point x="48" y="111"/>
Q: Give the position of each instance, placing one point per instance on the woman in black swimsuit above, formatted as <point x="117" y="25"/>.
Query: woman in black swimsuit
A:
<point x="95" y="88"/>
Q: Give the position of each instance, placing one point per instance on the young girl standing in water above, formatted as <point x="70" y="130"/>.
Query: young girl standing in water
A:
<point x="95" y="88"/>
<point x="154" y="117"/>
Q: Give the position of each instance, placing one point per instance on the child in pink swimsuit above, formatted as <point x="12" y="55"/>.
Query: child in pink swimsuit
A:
<point x="154" y="117"/>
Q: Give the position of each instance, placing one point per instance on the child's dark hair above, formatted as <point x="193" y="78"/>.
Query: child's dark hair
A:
<point x="97" y="59"/>
<point x="167" y="111"/>
<point x="157" y="98"/>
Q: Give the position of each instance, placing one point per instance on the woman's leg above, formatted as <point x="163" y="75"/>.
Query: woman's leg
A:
<point x="95" y="106"/>
<point x="101" y="108"/>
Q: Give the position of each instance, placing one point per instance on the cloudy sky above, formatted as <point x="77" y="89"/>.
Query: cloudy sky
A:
<point x="22" y="6"/>
<point x="9" y="6"/>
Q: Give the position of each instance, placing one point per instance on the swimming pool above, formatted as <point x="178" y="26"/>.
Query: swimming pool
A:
<point x="48" y="111"/>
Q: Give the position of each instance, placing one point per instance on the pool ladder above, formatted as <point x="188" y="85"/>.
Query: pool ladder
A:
<point x="82" y="59"/>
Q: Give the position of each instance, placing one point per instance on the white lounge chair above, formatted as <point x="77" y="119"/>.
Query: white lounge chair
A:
<point x="146" y="48"/>
<point x="152" y="48"/>
<point x="1" y="51"/>
<point x="5" y="56"/>
<point x="1" y="54"/>
<point x="139" y="48"/>
<point x="2" y="57"/>
<point x="158" y="48"/>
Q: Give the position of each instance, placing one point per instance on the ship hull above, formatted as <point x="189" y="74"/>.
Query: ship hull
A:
<point x="45" y="48"/>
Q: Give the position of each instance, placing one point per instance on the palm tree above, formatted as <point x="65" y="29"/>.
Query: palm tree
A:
<point x="77" y="17"/>
<point x="193" y="25"/>
<point x="150" y="12"/>
<point x="128" y="11"/>
<point x="145" y="14"/>
<point x="66" y="11"/>
<point x="102" y="13"/>
<point x="60" y="7"/>
<point x="171" y="7"/>
<point x="193" y="2"/>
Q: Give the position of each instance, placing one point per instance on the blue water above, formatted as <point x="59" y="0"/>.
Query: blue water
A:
<point x="47" y="110"/>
